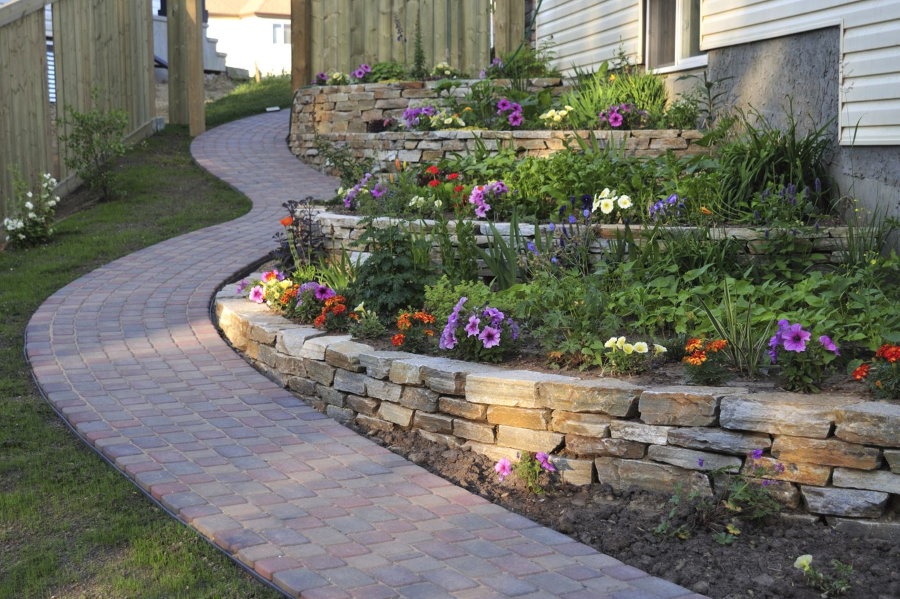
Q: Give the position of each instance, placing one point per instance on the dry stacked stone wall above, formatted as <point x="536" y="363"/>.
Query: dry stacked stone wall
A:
<point x="345" y="114"/>
<point x="342" y="232"/>
<point x="841" y="453"/>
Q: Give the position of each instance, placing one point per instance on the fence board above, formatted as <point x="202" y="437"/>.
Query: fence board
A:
<point x="103" y="44"/>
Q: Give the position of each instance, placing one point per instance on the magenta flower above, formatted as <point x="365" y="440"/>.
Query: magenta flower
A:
<point x="795" y="338"/>
<point x="322" y="293"/>
<point x="503" y="105"/>
<point x="471" y="327"/>
<point x="482" y="209"/>
<point x="243" y="285"/>
<point x="257" y="295"/>
<point x="544" y="460"/>
<point x="503" y="468"/>
<point x="490" y="337"/>
<point x="515" y="119"/>
<point x="379" y="190"/>
<point x="756" y="454"/>
<point x="828" y="344"/>
<point x="615" y="119"/>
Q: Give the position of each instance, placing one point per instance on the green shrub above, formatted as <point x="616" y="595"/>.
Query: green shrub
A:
<point x="95" y="137"/>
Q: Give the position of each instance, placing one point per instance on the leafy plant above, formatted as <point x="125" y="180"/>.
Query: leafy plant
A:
<point x="29" y="219"/>
<point x="418" y="70"/>
<point x="502" y="256"/>
<point x="529" y="467"/>
<point x="829" y="584"/>
<point x="338" y="272"/>
<point x="350" y="169"/>
<point x="417" y="332"/>
<point x="707" y="96"/>
<point x="95" y="137"/>
<point x="803" y="363"/>
<point x="390" y="279"/>
<point x="302" y="241"/>
<point x="367" y="326"/>
<point x="387" y="71"/>
<point x="746" y="342"/>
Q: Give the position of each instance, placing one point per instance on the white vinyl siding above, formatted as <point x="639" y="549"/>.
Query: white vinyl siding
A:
<point x="585" y="32"/>
<point x="870" y="51"/>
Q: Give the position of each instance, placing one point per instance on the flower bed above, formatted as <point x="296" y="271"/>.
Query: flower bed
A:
<point x="831" y="455"/>
<point x="345" y="114"/>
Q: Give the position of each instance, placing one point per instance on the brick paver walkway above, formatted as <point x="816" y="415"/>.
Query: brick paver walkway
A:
<point x="129" y="357"/>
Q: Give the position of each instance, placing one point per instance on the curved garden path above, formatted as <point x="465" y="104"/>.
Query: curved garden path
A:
<point x="130" y="359"/>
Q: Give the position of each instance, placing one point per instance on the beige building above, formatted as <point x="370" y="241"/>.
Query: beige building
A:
<point x="255" y="35"/>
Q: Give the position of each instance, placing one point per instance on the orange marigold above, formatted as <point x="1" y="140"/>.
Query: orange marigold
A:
<point x="353" y="315"/>
<point x="287" y="221"/>
<point x="717" y="345"/>
<point x="404" y="321"/>
<point x="429" y="332"/>
<point x="693" y="345"/>
<point x="696" y="359"/>
<point x="334" y="300"/>
<point x="424" y="317"/>
<point x="319" y="322"/>
<point x="398" y="339"/>
<point x="861" y="372"/>
<point x="338" y="309"/>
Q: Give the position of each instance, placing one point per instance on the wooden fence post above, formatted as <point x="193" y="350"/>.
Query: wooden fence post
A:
<point x="185" y="36"/>
<point x="301" y="46"/>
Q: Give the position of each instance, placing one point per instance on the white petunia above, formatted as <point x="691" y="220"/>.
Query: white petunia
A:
<point x="641" y="347"/>
<point x="624" y="202"/>
<point x="29" y="206"/>
<point x="620" y="342"/>
<point x="607" y="205"/>
<point x="610" y="343"/>
<point x="659" y="349"/>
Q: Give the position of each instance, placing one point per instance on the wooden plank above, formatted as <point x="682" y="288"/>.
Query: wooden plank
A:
<point x="502" y="20"/>
<point x="186" y="98"/>
<point x="301" y="32"/>
<point x="381" y="34"/>
<point x="356" y="24"/>
<point x="10" y="13"/>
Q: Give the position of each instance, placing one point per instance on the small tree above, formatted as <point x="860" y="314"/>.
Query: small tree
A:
<point x="96" y="138"/>
<point x="419" y="70"/>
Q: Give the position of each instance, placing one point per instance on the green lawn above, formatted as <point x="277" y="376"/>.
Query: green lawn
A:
<point x="250" y="98"/>
<point x="71" y="526"/>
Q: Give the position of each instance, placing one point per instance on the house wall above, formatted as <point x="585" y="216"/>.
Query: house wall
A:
<point x="248" y="44"/>
<point x="805" y="68"/>
<point x="586" y="32"/>
<point x="868" y="52"/>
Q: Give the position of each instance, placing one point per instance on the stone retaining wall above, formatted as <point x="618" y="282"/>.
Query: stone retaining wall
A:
<point x="342" y="231"/>
<point x="841" y="454"/>
<point x="343" y="114"/>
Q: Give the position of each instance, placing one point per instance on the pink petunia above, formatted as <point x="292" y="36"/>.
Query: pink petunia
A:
<point x="544" y="460"/>
<point x="471" y="327"/>
<point x="503" y="468"/>
<point x="257" y="295"/>
<point x="482" y="209"/>
<point x="615" y="119"/>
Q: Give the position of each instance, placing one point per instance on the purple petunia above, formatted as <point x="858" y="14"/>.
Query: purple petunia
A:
<point x="756" y="454"/>
<point x="482" y="209"/>
<point x="379" y="190"/>
<point x="503" y="105"/>
<point x="323" y="292"/>
<point x="615" y="119"/>
<point x="490" y="337"/>
<point x="495" y="316"/>
<point x="257" y="295"/>
<point x="243" y="285"/>
<point x="471" y="327"/>
<point x="795" y="338"/>
<point x="828" y="344"/>
<point x="515" y="119"/>
<point x="544" y="460"/>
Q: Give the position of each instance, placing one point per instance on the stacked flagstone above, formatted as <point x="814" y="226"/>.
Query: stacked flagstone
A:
<point x="344" y="115"/>
<point x="841" y="453"/>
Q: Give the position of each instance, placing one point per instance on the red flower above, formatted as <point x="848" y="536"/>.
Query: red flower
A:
<point x="434" y="183"/>
<point x="861" y="372"/>
<point x="432" y="170"/>
<point x="319" y="322"/>
<point x="398" y="339"/>
<point x="287" y="221"/>
<point x="338" y="309"/>
<point x="458" y="188"/>
<point x="452" y="176"/>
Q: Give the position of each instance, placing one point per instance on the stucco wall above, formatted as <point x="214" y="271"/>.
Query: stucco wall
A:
<point x="806" y="68"/>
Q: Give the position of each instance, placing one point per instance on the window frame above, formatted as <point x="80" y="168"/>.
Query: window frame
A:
<point x="680" y="63"/>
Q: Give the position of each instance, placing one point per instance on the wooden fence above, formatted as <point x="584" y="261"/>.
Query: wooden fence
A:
<point x="102" y="45"/>
<point x="345" y="33"/>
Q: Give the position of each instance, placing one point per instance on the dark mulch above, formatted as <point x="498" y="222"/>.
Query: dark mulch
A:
<point x="759" y="565"/>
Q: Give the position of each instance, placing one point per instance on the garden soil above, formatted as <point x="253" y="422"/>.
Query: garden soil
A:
<point x="758" y="565"/>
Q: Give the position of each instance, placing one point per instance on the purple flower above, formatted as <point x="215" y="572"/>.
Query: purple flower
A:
<point x="766" y="482"/>
<point x="513" y="328"/>
<point x="572" y="219"/>
<point x="323" y="292"/>
<point x="495" y="316"/>
<point x="359" y="74"/>
<point x="482" y="209"/>
<point x="379" y="190"/>
<point x="779" y="468"/>
<point x="544" y="460"/>
<point x="515" y="119"/>
<point x="532" y="248"/>
<point x="490" y="337"/>
<point x="756" y="454"/>
<point x="828" y="344"/>
<point x="503" y="468"/>
<point x="551" y="227"/>
<point x="586" y="213"/>
<point x="257" y="295"/>
<point x="795" y="338"/>
<point x="471" y="327"/>
<point x="700" y="462"/>
<point x="448" y="338"/>
<point x="365" y="68"/>
<point x="615" y="119"/>
<point x="516" y="107"/>
<point x="242" y="285"/>
<point x="503" y="105"/>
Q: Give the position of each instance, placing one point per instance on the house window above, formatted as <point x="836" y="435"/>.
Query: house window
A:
<point x="281" y="34"/>
<point x="673" y="35"/>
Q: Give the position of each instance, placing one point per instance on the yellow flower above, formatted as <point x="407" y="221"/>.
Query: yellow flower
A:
<point x="803" y="562"/>
<point x="610" y="343"/>
<point x="628" y="348"/>
<point x="659" y="349"/>
<point x="620" y="342"/>
<point x="557" y="118"/>
<point x="567" y="107"/>
<point x="612" y="77"/>
<point x="641" y="347"/>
